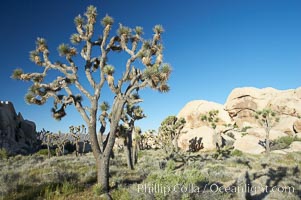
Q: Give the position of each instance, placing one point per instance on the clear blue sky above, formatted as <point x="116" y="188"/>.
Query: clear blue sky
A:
<point x="213" y="46"/>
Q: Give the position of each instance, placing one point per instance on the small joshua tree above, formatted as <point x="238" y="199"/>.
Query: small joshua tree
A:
<point x="60" y="141"/>
<point x="211" y="118"/>
<point x="127" y="130"/>
<point x="169" y="133"/>
<point x="143" y="68"/>
<point x="267" y="118"/>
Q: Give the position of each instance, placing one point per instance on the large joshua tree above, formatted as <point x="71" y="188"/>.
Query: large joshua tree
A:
<point x="143" y="68"/>
<point x="267" y="118"/>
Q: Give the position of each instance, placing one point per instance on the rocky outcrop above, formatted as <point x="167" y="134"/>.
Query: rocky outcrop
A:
<point x="243" y="102"/>
<point x="194" y="109"/>
<point x="203" y="132"/>
<point x="239" y="109"/>
<point x="249" y="144"/>
<point x="16" y="134"/>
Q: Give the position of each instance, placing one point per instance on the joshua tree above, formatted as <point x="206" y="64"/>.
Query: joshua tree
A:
<point x="267" y="118"/>
<point x="77" y="132"/>
<point x="211" y="118"/>
<point x="143" y="68"/>
<point x="169" y="133"/>
<point x="60" y="141"/>
<point x="127" y="130"/>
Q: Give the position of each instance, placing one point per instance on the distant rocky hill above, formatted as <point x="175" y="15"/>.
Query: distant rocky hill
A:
<point x="239" y="109"/>
<point x="16" y="134"/>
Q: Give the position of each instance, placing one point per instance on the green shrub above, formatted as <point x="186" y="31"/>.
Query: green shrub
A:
<point x="97" y="189"/>
<point x="283" y="142"/>
<point x="170" y="165"/>
<point x="44" y="152"/>
<point x="121" y="194"/>
<point x="181" y="179"/>
<point x="236" y="152"/>
<point x="3" y="154"/>
<point x="244" y="129"/>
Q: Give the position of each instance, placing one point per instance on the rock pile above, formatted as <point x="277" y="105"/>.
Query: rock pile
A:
<point x="16" y="134"/>
<point x="237" y="118"/>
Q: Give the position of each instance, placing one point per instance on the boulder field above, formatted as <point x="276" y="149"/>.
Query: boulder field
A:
<point x="237" y="118"/>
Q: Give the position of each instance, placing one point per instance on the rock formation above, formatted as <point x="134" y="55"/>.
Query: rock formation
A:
<point x="16" y="134"/>
<point x="237" y="117"/>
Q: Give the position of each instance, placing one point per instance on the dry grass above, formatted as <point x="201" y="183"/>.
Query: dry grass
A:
<point x="70" y="177"/>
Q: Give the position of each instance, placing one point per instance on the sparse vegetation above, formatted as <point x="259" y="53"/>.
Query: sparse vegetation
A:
<point x="283" y="142"/>
<point x="70" y="177"/>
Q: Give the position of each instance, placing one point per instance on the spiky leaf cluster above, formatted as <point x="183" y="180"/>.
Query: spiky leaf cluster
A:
<point x="66" y="50"/>
<point x="158" y="76"/>
<point x="104" y="106"/>
<point x="91" y="13"/>
<point x="158" y="29"/>
<point x="34" y="56"/>
<point x="107" y="20"/>
<point x="123" y="30"/>
<point x="109" y="70"/>
<point x="79" y="20"/>
<point x="41" y="44"/>
<point x="138" y="30"/>
<point x="75" y="38"/>
<point x="17" y="73"/>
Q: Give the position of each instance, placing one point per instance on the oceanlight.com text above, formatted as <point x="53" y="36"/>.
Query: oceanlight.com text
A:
<point x="192" y="188"/>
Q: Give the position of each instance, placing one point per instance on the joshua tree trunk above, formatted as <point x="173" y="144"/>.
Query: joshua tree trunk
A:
<point x="128" y="150"/>
<point x="103" y="173"/>
<point x="102" y="156"/>
<point x="175" y="144"/>
<point x="267" y="144"/>
<point x="48" y="147"/>
<point x="84" y="147"/>
<point x="135" y="152"/>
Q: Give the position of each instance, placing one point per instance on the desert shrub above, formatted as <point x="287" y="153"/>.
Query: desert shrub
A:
<point x="121" y="194"/>
<point x="44" y="152"/>
<point x="283" y="142"/>
<point x="244" y="129"/>
<point x="3" y="154"/>
<point x="243" y="134"/>
<point x="180" y="180"/>
<point x="236" y="152"/>
<point x="170" y="165"/>
<point x="97" y="189"/>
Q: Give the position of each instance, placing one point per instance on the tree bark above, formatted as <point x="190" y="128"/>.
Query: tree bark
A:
<point x="267" y="144"/>
<point x="103" y="173"/>
<point x="128" y="151"/>
<point x="135" y="152"/>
